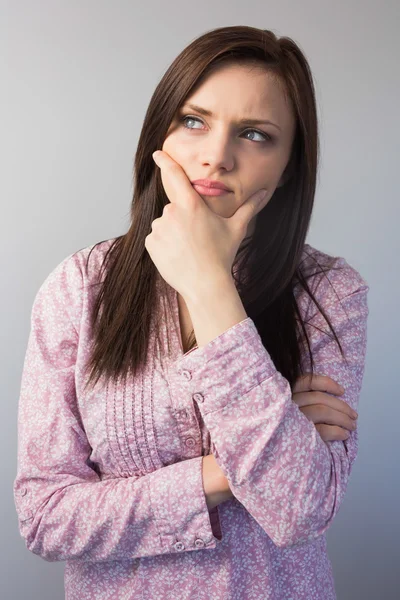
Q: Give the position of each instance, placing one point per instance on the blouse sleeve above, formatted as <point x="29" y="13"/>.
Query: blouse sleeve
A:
<point x="287" y="477"/>
<point x="65" y="511"/>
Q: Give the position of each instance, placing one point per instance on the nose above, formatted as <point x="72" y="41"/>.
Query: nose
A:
<point x="217" y="154"/>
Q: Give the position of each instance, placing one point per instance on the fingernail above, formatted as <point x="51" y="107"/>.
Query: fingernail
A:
<point x="262" y="194"/>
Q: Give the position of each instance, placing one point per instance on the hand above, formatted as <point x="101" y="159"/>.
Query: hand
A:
<point x="215" y="484"/>
<point x="191" y="246"/>
<point x="331" y="415"/>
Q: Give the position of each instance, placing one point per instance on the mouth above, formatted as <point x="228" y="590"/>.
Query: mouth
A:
<point x="210" y="191"/>
<point x="211" y="183"/>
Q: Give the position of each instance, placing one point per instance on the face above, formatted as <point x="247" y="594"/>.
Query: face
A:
<point x="245" y="157"/>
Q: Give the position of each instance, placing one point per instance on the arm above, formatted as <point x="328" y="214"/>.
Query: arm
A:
<point x="65" y="510"/>
<point x="290" y="480"/>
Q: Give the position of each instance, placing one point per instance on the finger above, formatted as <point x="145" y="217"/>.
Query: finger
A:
<point x="324" y="414"/>
<point x="307" y="398"/>
<point x="243" y="215"/>
<point x="330" y="433"/>
<point x="323" y="382"/>
<point x="316" y="382"/>
<point x="176" y="184"/>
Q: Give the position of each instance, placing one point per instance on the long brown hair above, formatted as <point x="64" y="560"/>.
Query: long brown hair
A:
<point x="270" y="259"/>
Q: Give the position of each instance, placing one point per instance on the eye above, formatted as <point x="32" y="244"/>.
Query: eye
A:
<point x="265" y="136"/>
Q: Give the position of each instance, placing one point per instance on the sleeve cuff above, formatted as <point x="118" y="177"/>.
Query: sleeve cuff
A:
<point x="227" y="367"/>
<point x="180" y="509"/>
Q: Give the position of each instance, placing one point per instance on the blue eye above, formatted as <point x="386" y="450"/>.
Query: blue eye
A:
<point x="265" y="136"/>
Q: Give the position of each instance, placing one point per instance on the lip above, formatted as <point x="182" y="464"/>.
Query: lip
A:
<point x="209" y="191"/>
<point x="211" y="183"/>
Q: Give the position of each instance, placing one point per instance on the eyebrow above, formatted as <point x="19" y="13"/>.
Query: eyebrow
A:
<point x="208" y="113"/>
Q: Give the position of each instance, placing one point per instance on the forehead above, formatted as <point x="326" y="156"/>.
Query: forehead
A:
<point x="244" y="91"/>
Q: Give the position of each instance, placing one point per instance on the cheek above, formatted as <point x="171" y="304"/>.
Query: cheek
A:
<point x="167" y="146"/>
<point x="176" y="151"/>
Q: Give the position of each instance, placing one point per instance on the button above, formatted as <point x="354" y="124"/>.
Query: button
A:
<point x="186" y="374"/>
<point x="190" y="442"/>
<point x="198" y="397"/>
<point x="199" y="543"/>
<point x="179" y="546"/>
<point x="26" y="515"/>
<point x="23" y="491"/>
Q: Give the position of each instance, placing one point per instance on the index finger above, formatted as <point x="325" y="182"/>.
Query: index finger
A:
<point x="176" y="184"/>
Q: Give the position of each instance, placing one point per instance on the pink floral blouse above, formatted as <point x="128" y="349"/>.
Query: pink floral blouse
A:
<point x="110" y="480"/>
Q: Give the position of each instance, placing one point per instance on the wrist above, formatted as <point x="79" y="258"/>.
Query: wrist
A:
<point x="214" y="310"/>
<point x="209" y="289"/>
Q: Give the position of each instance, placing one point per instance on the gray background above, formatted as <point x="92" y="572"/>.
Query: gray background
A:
<point x="77" y="77"/>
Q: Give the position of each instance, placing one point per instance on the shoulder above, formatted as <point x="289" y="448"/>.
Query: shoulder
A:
<point x="332" y="281"/>
<point x="80" y="267"/>
<point x="90" y="259"/>
<point x="66" y="284"/>
<point x="323" y="269"/>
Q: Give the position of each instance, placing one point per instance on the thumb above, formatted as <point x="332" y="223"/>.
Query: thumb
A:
<point x="247" y="211"/>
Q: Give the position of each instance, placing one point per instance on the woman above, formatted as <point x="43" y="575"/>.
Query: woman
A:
<point x="182" y="428"/>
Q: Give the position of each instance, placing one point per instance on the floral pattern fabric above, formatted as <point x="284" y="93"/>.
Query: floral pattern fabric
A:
<point x="110" y="479"/>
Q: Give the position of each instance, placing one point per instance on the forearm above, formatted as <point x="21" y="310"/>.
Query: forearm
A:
<point x="211" y="315"/>
<point x="215" y="310"/>
<point x="216" y="486"/>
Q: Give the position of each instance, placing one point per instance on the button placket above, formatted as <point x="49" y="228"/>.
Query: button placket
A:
<point x="188" y="426"/>
<point x="188" y="432"/>
<point x="184" y="414"/>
